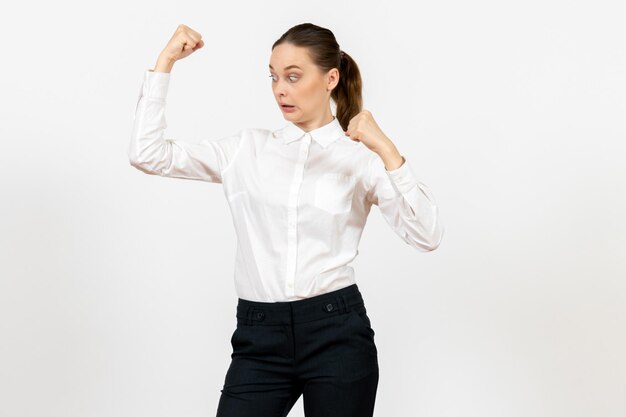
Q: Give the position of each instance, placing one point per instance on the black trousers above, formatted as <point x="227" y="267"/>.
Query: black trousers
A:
<point x="320" y="347"/>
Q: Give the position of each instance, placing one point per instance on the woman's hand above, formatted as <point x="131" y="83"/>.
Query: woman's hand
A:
<point x="363" y="128"/>
<point x="183" y="43"/>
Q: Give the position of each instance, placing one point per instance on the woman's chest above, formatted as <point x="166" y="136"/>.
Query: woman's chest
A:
<point x="278" y="178"/>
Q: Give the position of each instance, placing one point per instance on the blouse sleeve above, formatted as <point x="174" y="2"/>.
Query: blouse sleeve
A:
<point x="153" y="154"/>
<point x="407" y="205"/>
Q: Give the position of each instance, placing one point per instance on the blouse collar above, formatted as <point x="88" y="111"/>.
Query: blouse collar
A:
<point x="324" y="135"/>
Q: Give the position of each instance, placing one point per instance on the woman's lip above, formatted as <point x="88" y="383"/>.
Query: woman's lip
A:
<point x="287" y="109"/>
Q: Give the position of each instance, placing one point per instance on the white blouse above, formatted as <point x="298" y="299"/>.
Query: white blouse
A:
<point x="299" y="200"/>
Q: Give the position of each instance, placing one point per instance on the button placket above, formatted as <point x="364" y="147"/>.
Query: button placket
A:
<point x="292" y="215"/>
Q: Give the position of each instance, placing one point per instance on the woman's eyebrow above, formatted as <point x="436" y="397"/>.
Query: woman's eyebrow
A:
<point x="287" y="67"/>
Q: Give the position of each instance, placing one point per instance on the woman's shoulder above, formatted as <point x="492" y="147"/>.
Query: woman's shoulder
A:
<point x="262" y="133"/>
<point x="258" y="131"/>
<point x="257" y="136"/>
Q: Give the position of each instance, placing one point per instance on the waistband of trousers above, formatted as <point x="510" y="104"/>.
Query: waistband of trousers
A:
<point x="335" y="302"/>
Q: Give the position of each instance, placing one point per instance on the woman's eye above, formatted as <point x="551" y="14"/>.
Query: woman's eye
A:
<point x="290" y="77"/>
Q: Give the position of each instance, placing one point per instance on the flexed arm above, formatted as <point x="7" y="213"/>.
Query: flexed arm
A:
<point x="407" y="204"/>
<point x="149" y="151"/>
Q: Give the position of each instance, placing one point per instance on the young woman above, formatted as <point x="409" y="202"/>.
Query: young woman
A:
<point x="299" y="198"/>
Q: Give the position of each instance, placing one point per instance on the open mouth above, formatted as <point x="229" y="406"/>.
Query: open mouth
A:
<point x="287" y="106"/>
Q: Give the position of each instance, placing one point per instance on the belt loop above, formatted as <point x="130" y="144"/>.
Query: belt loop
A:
<point x="248" y="316"/>
<point x="339" y="303"/>
<point x="345" y="307"/>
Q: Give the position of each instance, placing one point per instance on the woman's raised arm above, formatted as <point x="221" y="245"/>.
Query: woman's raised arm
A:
<point x="149" y="151"/>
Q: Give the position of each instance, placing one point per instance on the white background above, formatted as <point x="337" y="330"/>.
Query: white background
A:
<point x="116" y="291"/>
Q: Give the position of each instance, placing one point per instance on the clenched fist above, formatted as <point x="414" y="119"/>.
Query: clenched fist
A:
<point x="183" y="43"/>
<point x="363" y="128"/>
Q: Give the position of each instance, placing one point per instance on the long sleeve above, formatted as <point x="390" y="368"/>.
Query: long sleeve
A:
<point x="407" y="204"/>
<point x="151" y="153"/>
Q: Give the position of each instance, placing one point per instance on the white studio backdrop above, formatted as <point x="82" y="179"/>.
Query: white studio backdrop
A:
<point x="116" y="287"/>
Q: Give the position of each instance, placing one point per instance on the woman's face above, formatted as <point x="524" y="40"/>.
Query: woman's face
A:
<point x="297" y="81"/>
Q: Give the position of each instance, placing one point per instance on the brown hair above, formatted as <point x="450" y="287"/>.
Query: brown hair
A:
<point x="326" y="54"/>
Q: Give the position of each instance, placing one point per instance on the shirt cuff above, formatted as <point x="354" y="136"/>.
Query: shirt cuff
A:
<point x="155" y="84"/>
<point x="402" y="178"/>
